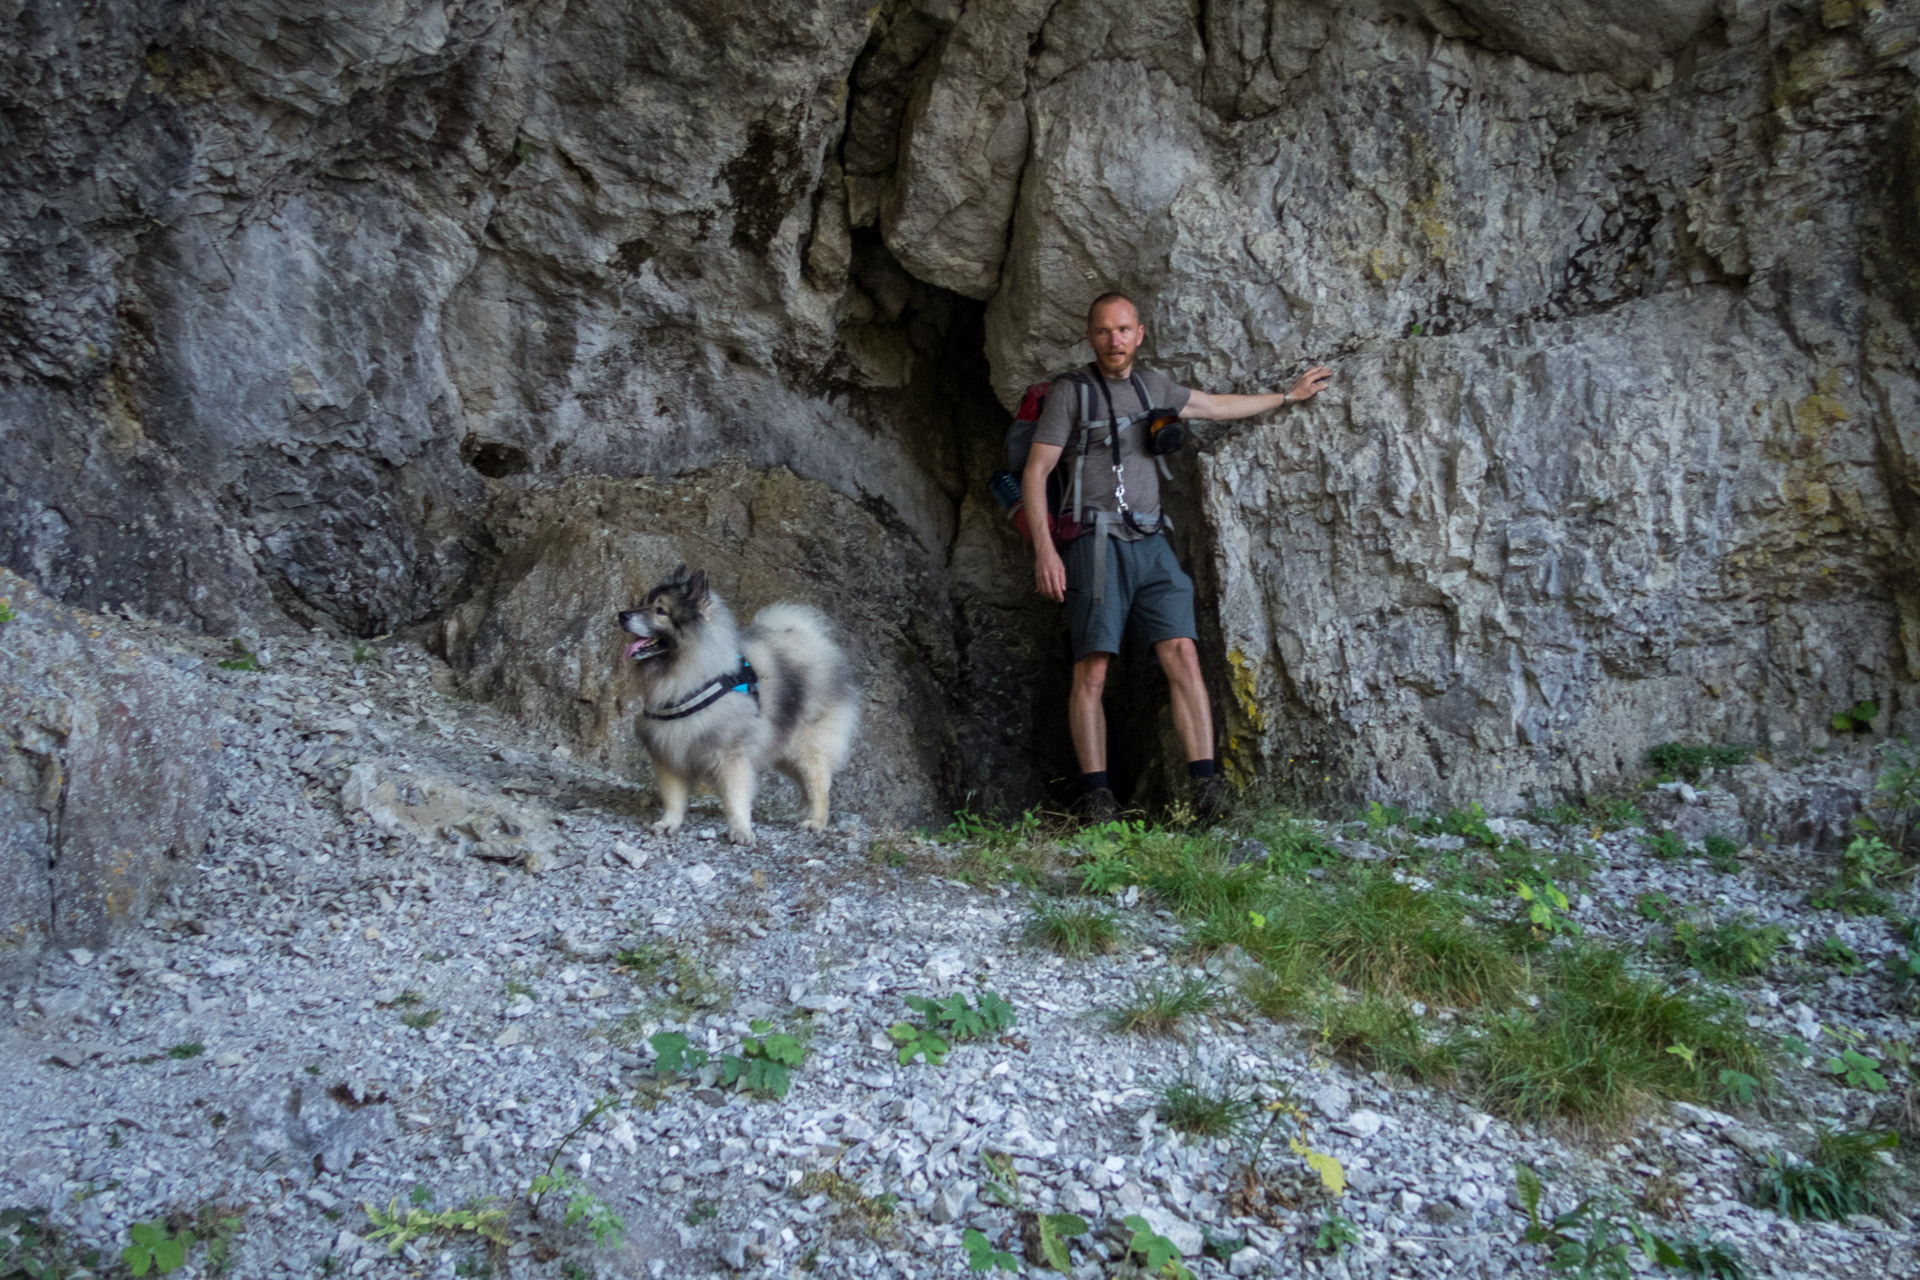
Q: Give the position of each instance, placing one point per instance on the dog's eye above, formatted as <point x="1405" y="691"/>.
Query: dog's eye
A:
<point x="659" y="611"/>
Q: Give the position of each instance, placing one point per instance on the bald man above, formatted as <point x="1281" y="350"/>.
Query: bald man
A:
<point x="1121" y="573"/>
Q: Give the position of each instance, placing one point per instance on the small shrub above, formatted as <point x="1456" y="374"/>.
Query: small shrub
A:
<point x="583" y="1206"/>
<point x="1894" y="810"/>
<point x="1676" y="761"/>
<point x="1857" y="718"/>
<point x="155" y="1247"/>
<point x="1337" y="1233"/>
<point x="421" y="1019"/>
<point x="1652" y="906"/>
<point x="31" y="1247"/>
<point x="485" y="1220"/>
<point x="242" y="660"/>
<point x="1076" y="931"/>
<point x="1617" y="814"/>
<point x="1840" y="1176"/>
<point x="1730" y="948"/>
<point x="982" y="1256"/>
<point x="1157" y="1254"/>
<point x="1832" y="951"/>
<point x="1159" y="1007"/>
<point x="1858" y="1071"/>
<point x="191" y="1049"/>
<point x="1201" y="1109"/>
<point x="1723" y="853"/>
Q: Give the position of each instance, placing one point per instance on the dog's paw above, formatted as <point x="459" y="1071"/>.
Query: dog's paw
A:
<point x="665" y="828"/>
<point x="740" y="836"/>
<point x="810" y="825"/>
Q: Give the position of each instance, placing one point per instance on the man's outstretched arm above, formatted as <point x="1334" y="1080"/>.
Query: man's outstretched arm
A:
<point x="1226" y="408"/>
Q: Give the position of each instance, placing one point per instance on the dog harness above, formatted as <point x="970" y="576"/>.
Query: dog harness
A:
<point x="740" y="681"/>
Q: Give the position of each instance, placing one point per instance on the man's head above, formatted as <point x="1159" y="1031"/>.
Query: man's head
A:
<point x="1114" y="330"/>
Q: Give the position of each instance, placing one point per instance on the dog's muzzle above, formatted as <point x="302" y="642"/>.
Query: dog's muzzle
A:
<point x="646" y="644"/>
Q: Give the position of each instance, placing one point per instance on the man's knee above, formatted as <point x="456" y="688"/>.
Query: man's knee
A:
<point x="1090" y="673"/>
<point x="1178" y="657"/>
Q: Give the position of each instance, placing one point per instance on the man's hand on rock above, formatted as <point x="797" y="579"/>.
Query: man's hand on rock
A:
<point x="1311" y="384"/>
<point x="1049" y="572"/>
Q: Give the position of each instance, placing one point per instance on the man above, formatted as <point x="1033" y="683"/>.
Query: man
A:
<point x="1122" y="569"/>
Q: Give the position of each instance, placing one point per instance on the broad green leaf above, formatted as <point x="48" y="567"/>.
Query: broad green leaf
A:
<point x="1332" y="1173"/>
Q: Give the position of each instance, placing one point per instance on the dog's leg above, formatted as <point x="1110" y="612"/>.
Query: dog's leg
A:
<point x="736" y="797"/>
<point x="816" y="775"/>
<point x="673" y="800"/>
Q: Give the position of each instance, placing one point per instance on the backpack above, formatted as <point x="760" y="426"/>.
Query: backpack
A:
<point x="1164" y="436"/>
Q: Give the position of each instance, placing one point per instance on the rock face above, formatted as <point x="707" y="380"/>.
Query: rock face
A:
<point x="300" y="297"/>
<point x="108" y="773"/>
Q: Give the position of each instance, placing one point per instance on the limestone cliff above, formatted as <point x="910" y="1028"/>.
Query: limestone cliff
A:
<point x="333" y="314"/>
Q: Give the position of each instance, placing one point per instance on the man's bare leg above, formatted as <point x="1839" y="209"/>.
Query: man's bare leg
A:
<point x="1085" y="716"/>
<point x="1192" y="715"/>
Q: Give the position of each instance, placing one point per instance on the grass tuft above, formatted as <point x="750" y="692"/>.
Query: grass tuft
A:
<point x="1377" y="935"/>
<point x="1730" y="948"/>
<point x="1158" y="1007"/>
<point x="1201" y="1109"/>
<point x="1074" y="930"/>
<point x="1840" y="1177"/>
<point x="1377" y="1034"/>
<point x="1606" y="1042"/>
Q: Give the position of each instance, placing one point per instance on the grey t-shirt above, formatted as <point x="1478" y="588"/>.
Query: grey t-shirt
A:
<point x="1060" y="422"/>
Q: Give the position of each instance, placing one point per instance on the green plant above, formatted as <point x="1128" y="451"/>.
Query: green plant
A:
<point x="421" y="1019"/>
<point x="1547" y="909"/>
<point x="219" y="1227"/>
<point x="1707" y="1258"/>
<point x="1054" y="1230"/>
<point x="1469" y="824"/>
<point x="982" y="1256"/>
<point x="582" y="1205"/>
<point x="242" y="660"/>
<point x="1738" y="1085"/>
<point x="1617" y="814"/>
<point x="1665" y="845"/>
<point x="1381" y="819"/>
<point x="1075" y="930"/>
<point x="398" y="1228"/>
<point x="1652" y="906"/>
<point x="154" y="1247"/>
<point x="1592" y="1241"/>
<point x="1673" y="760"/>
<point x="1337" y="1232"/>
<point x="1895" y="806"/>
<point x="32" y="1248"/>
<point x="1840" y="1177"/>
<point x="1606" y="1041"/>
<point x="643" y="960"/>
<point x="1857" y="718"/>
<point x="947" y="1022"/>
<point x="1002" y="1180"/>
<point x="1723" y="853"/>
<point x="1193" y="1106"/>
<point x="701" y="1210"/>
<point x="1160" y="1007"/>
<point x="6" y="615"/>
<point x="1157" y="1254"/>
<point x="874" y="1213"/>
<point x="1857" y="1071"/>
<point x="361" y="653"/>
<point x="1376" y="1033"/>
<point x="1730" y="948"/>
<point x="763" y="1066"/>
<point x="191" y="1049"/>
<point x="1832" y="951"/>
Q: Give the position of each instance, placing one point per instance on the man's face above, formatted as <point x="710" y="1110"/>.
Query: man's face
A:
<point x="1114" y="332"/>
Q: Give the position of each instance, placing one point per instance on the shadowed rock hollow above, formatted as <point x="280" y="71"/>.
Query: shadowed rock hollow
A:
<point x="369" y="316"/>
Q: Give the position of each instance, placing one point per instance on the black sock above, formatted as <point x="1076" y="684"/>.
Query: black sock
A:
<point x="1093" y="781"/>
<point x="1199" y="768"/>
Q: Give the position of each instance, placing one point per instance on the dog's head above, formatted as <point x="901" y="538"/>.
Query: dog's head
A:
<point x="668" y="614"/>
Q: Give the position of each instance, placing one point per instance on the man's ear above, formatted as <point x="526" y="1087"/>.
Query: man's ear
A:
<point x="697" y="594"/>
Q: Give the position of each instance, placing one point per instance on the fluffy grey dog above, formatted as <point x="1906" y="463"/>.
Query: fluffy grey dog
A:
<point x="721" y="704"/>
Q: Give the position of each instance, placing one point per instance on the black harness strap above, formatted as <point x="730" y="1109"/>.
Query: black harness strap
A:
<point x="741" y="681"/>
<point x="1113" y="436"/>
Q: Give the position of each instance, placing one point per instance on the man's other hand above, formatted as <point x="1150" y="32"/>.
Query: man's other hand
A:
<point x="1311" y="384"/>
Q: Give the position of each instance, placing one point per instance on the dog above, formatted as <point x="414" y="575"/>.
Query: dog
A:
<point x="721" y="704"/>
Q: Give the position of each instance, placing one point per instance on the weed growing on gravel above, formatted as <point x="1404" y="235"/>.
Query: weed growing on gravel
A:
<point x="1894" y="811"/>
<point x="483" y="1218"/>
<point x="1159" y="1007"/>
<point x="220" y="1227"/>
<point x="1723" y="853"/>
<point x="1671" y="760"/>
<point x="947" y="1022"/>
<point x="1857" y="1071"/>
<point x="583" y="1206"/>
<point x="1665" y="845"/>
<point x="1595" y="1239"/>
<point x="1020" y="850"/>
<point x="1615" y="814"/>
<point x="1378" y="1034"/>
<point x="421" y="1019"/>
<point x="764" y="1065"/>
<point x="1075" y="930"/>
<point x="1867" y="861"/>
<point x="1605" y="1041"/>
<point x="1840" y="1176"/>
<point x="242" y="660"/>
<point x="154" y="1246"/>
<point x="1728" y="949"/>
<point x="30" y="1247"/>
<point x="1337" y="1233"/>
<point x="1832" y="951"/>
<point x="874" y="1214"/>
<point x="1195" y="1107"/>
<point x="982" y="1256"/>
<point x="1652" y="906"/>
<point x="1281" y="987"/>
<point x="191" y="1049"/>
<point x="1158" y="1255"/>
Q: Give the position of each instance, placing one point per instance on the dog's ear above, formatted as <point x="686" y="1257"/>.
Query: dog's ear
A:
<point x="697" y="594"/>
<point x="678" y="576"/>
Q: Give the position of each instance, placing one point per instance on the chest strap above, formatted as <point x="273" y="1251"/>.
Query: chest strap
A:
<point x="741" y="681"/>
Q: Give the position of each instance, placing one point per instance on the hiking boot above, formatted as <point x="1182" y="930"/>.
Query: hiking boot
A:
<point x="1212" y="797"/>
<point x="1098" y="806"/>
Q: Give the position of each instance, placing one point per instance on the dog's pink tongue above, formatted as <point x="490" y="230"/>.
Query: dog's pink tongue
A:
<point x="633" y="650"/>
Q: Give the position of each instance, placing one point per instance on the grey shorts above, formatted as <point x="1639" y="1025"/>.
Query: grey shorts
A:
<point x="1145" y="587"/>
